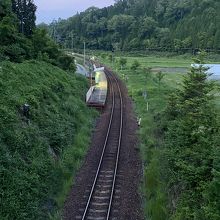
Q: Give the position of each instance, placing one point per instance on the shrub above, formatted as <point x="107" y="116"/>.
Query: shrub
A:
<point x="135" y="65"/>
<point x="67" y="63"/>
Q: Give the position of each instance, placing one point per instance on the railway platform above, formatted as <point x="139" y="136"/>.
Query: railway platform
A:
<point x="97" y="94"/>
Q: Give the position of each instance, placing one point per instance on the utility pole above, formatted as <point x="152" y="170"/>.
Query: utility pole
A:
<point x="54" y="31"/>
<point x="84" y="53"/>
<point x="113" y="58"/>
<point x="22" y="22"/>
<point x="90" y="72"/>
<point x="72" y="40"/>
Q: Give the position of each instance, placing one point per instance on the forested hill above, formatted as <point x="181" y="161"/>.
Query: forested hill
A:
<point x="45" y="125"/>
<point x="140" y="24"/>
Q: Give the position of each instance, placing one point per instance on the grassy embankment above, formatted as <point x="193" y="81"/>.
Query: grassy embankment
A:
<point x="41" y="152"/>
<point x="150" y="139"/>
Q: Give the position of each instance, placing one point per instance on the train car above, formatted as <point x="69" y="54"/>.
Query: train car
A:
<point x="97" y="94"/>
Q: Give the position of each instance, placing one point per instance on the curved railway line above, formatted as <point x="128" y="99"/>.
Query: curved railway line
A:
<point x="101" y="197"/>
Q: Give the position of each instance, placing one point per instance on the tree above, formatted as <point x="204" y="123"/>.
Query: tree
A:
<point x="151" y="23"/>
<point x="7" y="31"/>
<point x="148" y="26"/>
<point x="121" y="26"/>
<point x="5" y="6"/>
<point x="217" y="40"/>
<point x="135" y="65"/>
<point x="42" y="43"/>
<point x="160" y="76"/>
<point x="177" y="44"/>
<point x="67" y="63"/>
<point x="190" y="141"/>
<point x="212" y="210"/>
<point x="25" y="11"/>
<point x="122" y="62"/>
<point x="13" y="46"/>
<point x="187" y="42"/>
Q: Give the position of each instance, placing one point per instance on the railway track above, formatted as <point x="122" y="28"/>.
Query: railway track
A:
<point x="103" y="192"/>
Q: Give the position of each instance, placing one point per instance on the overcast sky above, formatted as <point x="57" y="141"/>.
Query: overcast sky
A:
<point x="47" y="10"/>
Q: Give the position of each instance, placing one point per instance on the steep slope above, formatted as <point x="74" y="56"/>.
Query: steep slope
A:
<point x="40" y="149"/>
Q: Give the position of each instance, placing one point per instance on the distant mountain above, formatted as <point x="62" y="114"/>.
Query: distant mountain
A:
<point x="141" y="24"/>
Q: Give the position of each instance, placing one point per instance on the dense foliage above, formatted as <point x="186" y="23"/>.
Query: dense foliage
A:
<point x="39" y="151"/>
<point x="40" y="148"/>
<point x="191" y="146"/>
<point x="25" y="11"/>
<point x="140" y="24"/>
<point x="21" y="40"/>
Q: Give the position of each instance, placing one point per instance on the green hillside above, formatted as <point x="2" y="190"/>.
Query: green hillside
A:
<point x="180" y="26"/>
<point x="39" y="151"/>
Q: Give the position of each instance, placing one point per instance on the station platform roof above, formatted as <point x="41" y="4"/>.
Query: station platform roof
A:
<point x="97" y="94"/>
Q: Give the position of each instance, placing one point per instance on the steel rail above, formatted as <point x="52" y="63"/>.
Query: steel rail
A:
<point x="102" y="155"/>
<point x="118" y="152"/>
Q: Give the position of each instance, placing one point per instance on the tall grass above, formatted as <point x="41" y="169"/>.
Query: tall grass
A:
<point x="154" y="195"/>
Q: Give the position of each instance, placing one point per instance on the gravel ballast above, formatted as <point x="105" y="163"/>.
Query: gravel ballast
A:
<point x="129" y="171"/>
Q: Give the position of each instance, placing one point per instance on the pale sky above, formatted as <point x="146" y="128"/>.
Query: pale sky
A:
<point x="47" y="10"/>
